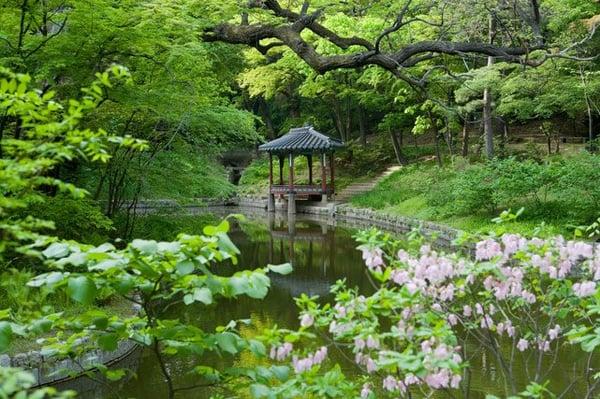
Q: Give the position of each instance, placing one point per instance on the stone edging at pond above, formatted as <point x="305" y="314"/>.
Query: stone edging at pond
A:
<point x="49" y="370"/>
<point x="54" y="369"/>
<point x="357" y="217"/>
<point x="366" y="218"/>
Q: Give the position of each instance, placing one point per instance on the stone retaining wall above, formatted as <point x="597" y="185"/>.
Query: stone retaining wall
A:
<point x="363" y="218"/>
<point x="53" y="370"/>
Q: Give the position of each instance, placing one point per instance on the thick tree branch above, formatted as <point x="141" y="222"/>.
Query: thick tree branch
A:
<point x="289" y="34"/>
<point x="318" y="29"/>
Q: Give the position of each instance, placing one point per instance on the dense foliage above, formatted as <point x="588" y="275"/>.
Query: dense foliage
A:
<point x="559" y="192"/>
<point x="402" y="81"/>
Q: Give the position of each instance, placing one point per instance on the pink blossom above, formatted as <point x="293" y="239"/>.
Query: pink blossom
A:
<point x="400" y="277"/>
<point x="487" y="322"/>
<point x="438" y="380"/>
<point x="528" y="297"/>
<point x="500" y="328"/>
<point x="478" y="308"/>
<point x="522" y="345"/>
<point x="372" y="343"/>
<point x="452" y="319"/>
<point x="371" y="366"/>
<point x="467" y="311"/>
<point x="358" y="358"/>
<point x="513" y="243"/>
<point x="441" y="352"/>
<point x="390" y="383"/>
<point x="544" y="345"/>
<point x="320" y="355"/>
<point x="584" y="289"/>
<point x="341" y="310"/>
<point x="455" y="381"/>
<point x="373" y="258"/>
<point x="359" y="343"/>
<point x="411" y="379"/>
<point x="301" y="365"/>
<point x="487" y="249"/>
<point x="510" y="331"/>
<point x="554" y="332"/>
<point x="307" y="320"/>
<point x="365" y="391"/>
<point x="282" y="352"/>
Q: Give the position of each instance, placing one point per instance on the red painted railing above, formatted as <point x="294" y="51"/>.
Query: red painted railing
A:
<point x="300" y="189"/>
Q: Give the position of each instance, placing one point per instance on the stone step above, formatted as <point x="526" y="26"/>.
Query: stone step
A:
<point x="360" y="188"/>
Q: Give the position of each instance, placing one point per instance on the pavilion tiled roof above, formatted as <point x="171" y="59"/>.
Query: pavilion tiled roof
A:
<point x="302" y="139"/>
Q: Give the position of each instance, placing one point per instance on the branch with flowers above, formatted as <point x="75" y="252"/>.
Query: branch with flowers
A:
<point x="525" y="303"/>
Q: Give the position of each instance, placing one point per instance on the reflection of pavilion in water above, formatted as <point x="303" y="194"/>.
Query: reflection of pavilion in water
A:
<point x="304" y="240"/>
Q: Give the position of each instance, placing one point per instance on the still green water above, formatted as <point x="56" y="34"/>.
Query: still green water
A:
<point x="321" y="254"/>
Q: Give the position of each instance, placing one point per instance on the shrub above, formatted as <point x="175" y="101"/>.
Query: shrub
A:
<point x="70" y="215"/>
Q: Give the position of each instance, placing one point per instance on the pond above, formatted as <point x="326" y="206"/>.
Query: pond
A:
<point x="321" y="254"/>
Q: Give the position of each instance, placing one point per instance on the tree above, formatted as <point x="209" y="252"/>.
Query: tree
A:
<point x="422" y="34"/>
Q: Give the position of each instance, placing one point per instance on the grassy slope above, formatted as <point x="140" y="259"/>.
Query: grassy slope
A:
<point x="406" y="193"/>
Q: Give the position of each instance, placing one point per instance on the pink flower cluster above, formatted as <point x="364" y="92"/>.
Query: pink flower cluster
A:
<point x="282" y="352"/>
<point x="585" y="288"/>
<point x="305" y="364"/>
<point x="306" y="320"/>
<point x="373" y="258"/>
<point x="365" y="391"/>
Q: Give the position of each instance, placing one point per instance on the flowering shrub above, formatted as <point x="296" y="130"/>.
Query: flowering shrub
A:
<point x="518" y="299"/>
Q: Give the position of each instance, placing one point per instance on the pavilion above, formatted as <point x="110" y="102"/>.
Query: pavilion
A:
<point x="303" y="141"/>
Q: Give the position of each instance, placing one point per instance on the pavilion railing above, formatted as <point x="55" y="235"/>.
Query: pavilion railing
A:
<point x="302" y="189"/>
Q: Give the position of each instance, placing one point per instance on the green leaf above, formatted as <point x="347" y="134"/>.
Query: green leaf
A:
<point x="228" y="342"/>
<point x="6" y="334"/>
<point x="203" y="295"/>
<point x="258" y="348"/>
<point x="185" y="267"/>
<point x="147" y="247"/>
<point x="258" y="286"/>
<point x="283" y="269"/>
<point x="108" y="342"/>
<point x="101" y="323"/>
<point x="259" y="391"/>
<point x="281" y="372"/>
<point x="56" y="250"/>
<point x="81" y="289"/>
<point x="115" y="375"/>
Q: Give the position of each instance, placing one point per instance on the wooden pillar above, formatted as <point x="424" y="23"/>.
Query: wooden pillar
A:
<point x="291" y="194"/>
<point x="281" y="170"/>
<point x="310" y="169"/>
<point x="323" y="178"/>
<point x="271" y="198"/>
<point x="331" y="168"/>
<point x="270" y="170"/>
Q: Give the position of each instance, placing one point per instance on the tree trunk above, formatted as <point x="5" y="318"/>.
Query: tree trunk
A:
<point x="488" y="121"/>
<point x="266" y="117"/>
<point x="436" y="134"/>
<point x="449" y="138"/>
<point x="362" y="125"/>
<point x="348" y="127"/>
<point x="400" y="157"/>
<point x="337" y="118"/>
<point x="465" y="137"/>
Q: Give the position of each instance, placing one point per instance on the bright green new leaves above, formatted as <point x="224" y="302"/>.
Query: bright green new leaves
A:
<point x="82" y="289"/>
<point x="15" y="383"/>
<point x="6" y="335"/>
<point x="51" y="134"/>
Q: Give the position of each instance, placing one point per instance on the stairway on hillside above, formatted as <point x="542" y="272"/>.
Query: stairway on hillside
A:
<point x="359" y="188"/>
